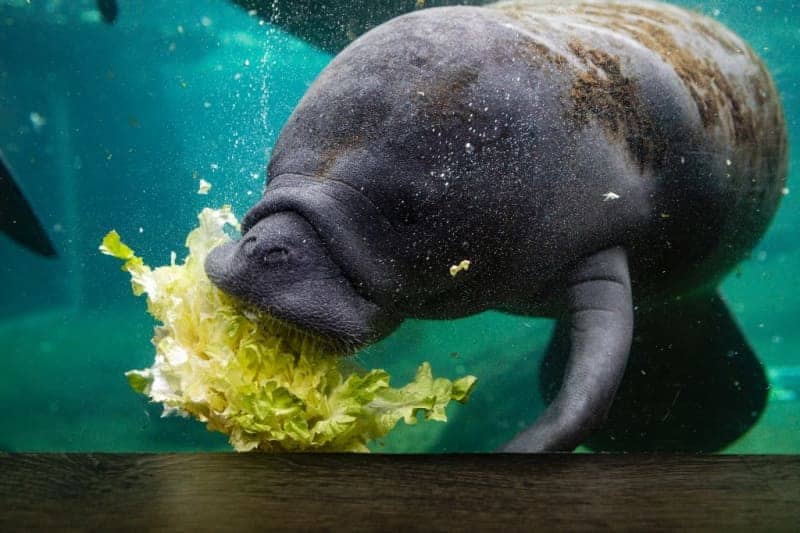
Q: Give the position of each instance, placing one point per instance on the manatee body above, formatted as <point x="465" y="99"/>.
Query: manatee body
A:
<point x="585" y="157"/>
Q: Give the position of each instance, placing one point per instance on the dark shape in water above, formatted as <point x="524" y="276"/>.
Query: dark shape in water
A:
<point x="692" y="384"/>
<point x="17" y="218"/>
<point x="108" y="10"/>
<point x="333" y="24"/>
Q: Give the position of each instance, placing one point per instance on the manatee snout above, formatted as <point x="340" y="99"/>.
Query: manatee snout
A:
<point x="281" y="266"/>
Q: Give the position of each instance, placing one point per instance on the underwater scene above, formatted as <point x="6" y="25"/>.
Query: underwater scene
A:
<point x="135" y="116"/>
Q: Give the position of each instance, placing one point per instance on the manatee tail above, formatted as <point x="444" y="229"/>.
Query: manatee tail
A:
<point x="693" y="384"/>
<point x="17" y="219"/>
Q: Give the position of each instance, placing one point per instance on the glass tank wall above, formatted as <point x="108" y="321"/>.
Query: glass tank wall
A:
<point x="113" y="126"/>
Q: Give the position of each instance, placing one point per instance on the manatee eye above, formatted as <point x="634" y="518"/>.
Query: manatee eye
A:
<point x="276" y="255"/>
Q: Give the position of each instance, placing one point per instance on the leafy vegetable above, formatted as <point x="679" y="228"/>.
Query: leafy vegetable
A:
<point x="264" y="383"/>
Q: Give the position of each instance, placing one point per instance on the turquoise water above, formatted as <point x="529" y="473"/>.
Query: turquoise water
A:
<point x="114" y="126"/>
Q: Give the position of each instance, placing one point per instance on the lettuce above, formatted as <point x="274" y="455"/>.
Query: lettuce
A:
<point x="264" y="383"/>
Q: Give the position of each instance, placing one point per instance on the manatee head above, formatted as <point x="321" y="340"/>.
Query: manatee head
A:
<point x="282" y="266"/>
<point x="373" y="182"/>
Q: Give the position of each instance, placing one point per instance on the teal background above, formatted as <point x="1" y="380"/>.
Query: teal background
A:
<point x="112" y="127"/>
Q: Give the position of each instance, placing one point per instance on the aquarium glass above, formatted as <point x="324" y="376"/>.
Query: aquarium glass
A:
<point x="138" y="123"/>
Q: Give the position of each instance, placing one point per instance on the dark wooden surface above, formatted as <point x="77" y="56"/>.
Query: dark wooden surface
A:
<point x="398" y="493"/>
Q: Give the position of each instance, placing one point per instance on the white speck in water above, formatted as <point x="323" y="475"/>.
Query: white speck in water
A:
<point x="254" y="175"/>
<point x="759" y="9"/>
<point x="762" y="256"/>
<point x="180" y="28"/>
<point x="141" y="229"/>
<point x="37" y="120"/>
<point x="785" y="191"/>
<point x="610" y="196"/>
<point x="204" y="187"/>
<point x="683" y="160"/>
<point x="214" y="166"/>
<point x="728" y="162"/>
<point x="247" y="62"/>
<point x="716" y="12"/>
<point x="777" y="339"/>
<point x="58" y="228"/>
<point x="237" y="76"/>
<point x="206" y="21"/>
<point x="207" y="104"/>
<point x="469" y="148"/>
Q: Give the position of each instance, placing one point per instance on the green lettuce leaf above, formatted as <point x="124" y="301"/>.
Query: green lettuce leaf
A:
<point x="264" y="383"/>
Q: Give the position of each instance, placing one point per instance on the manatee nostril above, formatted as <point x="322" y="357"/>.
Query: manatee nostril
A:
<point x="248" y="246"/>
<point x="277" y="254"/>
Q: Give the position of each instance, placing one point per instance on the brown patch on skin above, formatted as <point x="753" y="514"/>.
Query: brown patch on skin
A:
<point x="696" y="74"/>
<point x="602" y="92"/>
<point x="515" y="12"/>
<point x="711" y="91"/>
<point x="538" y="54"/>
<point x="706" y="31"/>
<point x="717" y="98"/>
<point x="333" y="153"/>
<point x="442" y="98"/>
<point x="746" y="109"/>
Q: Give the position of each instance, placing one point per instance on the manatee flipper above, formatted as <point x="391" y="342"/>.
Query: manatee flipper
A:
<point x="693" y="384"/>
<point x="598" y="297"/>
<point x="17" y="218"/>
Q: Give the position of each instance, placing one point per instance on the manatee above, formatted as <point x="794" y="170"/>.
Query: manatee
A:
<point x="604" y="164"/>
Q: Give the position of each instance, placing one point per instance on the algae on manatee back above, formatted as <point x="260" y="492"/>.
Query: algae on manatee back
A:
<point x="262" y="382"/>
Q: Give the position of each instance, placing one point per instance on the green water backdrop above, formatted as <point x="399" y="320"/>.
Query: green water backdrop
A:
<point x="115" y="126"/>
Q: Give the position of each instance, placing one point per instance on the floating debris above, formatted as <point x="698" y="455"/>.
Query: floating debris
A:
<point x="610" y="196"/>
<point x="204" y="188"/>
<point x="463" y="265"/>
<point x="37" y="120"/>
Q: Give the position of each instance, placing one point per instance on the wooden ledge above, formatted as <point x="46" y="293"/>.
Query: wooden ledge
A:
<point x="242" y="492"/>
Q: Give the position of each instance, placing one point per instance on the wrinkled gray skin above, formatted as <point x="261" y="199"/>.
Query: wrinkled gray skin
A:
<point x="460" y="133"/>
